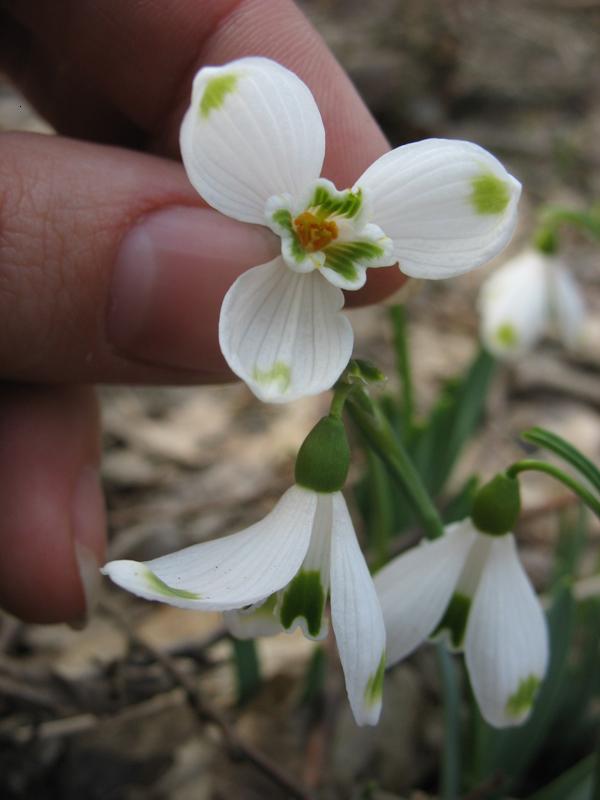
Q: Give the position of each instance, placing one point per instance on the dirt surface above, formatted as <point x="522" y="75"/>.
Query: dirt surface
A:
<point x="106" y="712"/>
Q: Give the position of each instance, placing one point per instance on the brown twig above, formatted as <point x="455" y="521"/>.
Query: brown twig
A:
<point x="206" y="712"/>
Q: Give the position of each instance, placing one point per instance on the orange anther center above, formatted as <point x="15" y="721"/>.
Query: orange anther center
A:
<point x="314" y="233"/>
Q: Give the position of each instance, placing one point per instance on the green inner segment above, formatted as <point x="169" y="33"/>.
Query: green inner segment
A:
<point x="304" y="597"/>
<point x="490" y="194"/>
<point x="374" y="687"/>
<point x="455" y="618"/>
<point x="343" y="257"/>
<point x="326" y="204"/>
<point x="215" y="93"/>
<point x="155" y="583"/>
<point x="521" y="701"/>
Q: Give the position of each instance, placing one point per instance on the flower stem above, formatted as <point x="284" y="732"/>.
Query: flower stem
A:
<point x="531" y="465"/>
<point x="398" y="315"/>
<point x="379" y="435"/>
<point x="340" y="395"/>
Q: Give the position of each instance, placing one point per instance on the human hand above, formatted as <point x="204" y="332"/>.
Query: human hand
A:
<point x="111" y="267"/>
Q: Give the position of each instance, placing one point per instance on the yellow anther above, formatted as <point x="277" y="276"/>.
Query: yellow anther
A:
<point x="314" y="233"/>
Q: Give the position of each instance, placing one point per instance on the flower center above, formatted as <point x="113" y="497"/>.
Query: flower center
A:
<point x="313" y="232"/>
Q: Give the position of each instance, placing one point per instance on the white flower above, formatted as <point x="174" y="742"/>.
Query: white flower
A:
<point x="529" y="296"/>
<point x="253" y="144"/>
<point x="286" y="564"/>
<point x="472" y="588"/>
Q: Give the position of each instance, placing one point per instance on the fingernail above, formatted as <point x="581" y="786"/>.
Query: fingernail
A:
<point x="89" y="525"/>
<point x="171" y="274"/>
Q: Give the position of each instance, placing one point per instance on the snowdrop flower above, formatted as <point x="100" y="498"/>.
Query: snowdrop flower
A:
<point x="529" y="296"/>
<point x="279" y="573"/>
<point x="253" y="145"/>
<point x="470" y="588"/>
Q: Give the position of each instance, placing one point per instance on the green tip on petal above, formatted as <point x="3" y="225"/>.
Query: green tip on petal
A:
<point x="521" y="701"/>
<point x="283" y="218"/>
<point x="507" y="336"/>
<point x="490" y="194"/>
<point x="216" y="91"/>
<point x="342" y="258"/>
<point x="496" y="506"/>
<point x="279" y="374"/>
<point x="326" y="204"/>
<point x="155" y="583"/>
<point x="455" y="619"/>
<point x="323" y="460"/>
<point x="374" y="687"/>
<point x="304" y="597"/>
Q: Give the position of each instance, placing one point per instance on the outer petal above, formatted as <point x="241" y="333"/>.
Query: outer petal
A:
<point x="302" y="602"/>
<point x="231" y="572"/>
<point x="506" y="644"/>
<point x="414" y="589"/>
<point x="448" y="205"/>
<point x="357" y="619"/>
<point x="283" y="333"/>
<point x="513" y="304"/>
<point x="253" y="130"/>
<point x="567" y="307"/>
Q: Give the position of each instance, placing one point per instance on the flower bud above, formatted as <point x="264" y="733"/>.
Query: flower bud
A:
<point x="497" y="505"/>
<point x="324" y="458"/>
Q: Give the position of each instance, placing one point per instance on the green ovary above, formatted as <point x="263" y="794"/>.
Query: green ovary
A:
<point x="490" y="195"/>
<point x="155" y="583"/>
<point x="374" y="687"/>
<point x="521" y="701"/>
<point x="215" y="93"/>
<point x="304" y="597"/>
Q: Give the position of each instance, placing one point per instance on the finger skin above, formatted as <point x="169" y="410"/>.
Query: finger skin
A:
<point x="49" y="452"/>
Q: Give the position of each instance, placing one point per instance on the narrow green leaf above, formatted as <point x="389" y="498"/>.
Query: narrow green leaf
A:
<point x="403" y="366"/>
<point x="574" y="784"/>
<point x="556" y="444"/>
<point x="247" y="669"/>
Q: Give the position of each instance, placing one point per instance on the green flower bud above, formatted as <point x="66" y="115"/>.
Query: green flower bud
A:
<point x="497" y="505"/>
<point x="324" y="459"/>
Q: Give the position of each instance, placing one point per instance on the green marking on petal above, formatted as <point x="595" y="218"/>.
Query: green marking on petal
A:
<point x="283" y="218"/>
<point x="215" y="93"/>
<point x="326" y="204"/>
<point x="155" y="583"/>
<point x="521" y="701"/>
<point x="507" y="335"/>
<point x="279" y="373"/>
<point x="304" y="597"/>
<point x="455" y="618"/>
<point x="343" y="257"/>
<point x="374" y="687"/>
<point x="490" y="194"/>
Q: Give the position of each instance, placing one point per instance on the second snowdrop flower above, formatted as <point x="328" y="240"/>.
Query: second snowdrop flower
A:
<point x="529" y="296"/>
<point x="253" y="145"/>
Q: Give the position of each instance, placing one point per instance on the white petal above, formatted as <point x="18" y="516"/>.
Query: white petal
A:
<point x="448" y="205"/>
<point x="302" y="603"/>
<point x="258" y="620"/>
<point x="513" y="304"/>
<point x="231" y="572"/>
<point x="283" y="332"/>
<point x="415" y="588"/>
<point x="506" y="644"/>
<point x="253" y="130"/>
<point x="357" y="619"/>
<point x="567" y="307"/>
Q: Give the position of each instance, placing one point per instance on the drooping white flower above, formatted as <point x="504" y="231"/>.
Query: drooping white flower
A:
<point x="470" y="587"/>
<point x="529" y="296"/>
<point x="253" y="145"/>
<point x="280" y="572"/>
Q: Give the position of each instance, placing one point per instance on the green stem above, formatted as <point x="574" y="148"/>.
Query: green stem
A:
<point x="450" y="777"/>
<point x="398" y="315"/>
<point x="340" y="394"/>
<point x="531" y="465"/>
<point x="379" y="435"/>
